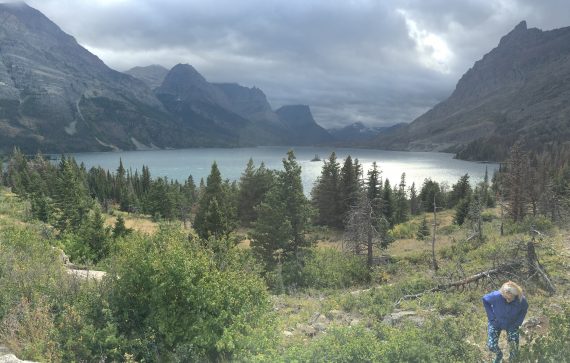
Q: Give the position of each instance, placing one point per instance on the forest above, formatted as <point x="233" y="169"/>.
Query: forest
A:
<point x="364" y="269"/>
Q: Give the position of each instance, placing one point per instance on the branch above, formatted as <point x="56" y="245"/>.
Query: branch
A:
<point x="460" y="283"/>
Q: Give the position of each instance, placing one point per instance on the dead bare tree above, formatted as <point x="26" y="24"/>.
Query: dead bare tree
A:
<point x="365" y="229"/>
<point x="433" y="259"/>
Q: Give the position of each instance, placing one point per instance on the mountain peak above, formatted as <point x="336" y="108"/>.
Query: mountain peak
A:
<point x="517" y="33"/>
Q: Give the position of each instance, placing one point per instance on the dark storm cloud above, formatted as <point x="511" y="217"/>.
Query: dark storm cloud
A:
<point x="379" y="62"/>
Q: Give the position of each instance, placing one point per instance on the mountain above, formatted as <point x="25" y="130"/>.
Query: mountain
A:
<point x="250" y="103"/>
<point x="152" y="75"/>
<point x="301" y="126"/>
<point x="519" y="90"/>
<point x="356" y="132"/>
<point x="241" y="114"/>
<point x="204" y="106"/>
<point x="57" y="96"/>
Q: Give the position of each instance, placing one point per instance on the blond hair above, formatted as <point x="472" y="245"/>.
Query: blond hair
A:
<point x="512" y="288"/>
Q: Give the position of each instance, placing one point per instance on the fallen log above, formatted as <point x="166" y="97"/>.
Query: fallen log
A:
<point x="461" y="283"/>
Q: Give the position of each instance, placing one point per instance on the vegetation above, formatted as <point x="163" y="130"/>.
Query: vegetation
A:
<point x="354" y="285"/>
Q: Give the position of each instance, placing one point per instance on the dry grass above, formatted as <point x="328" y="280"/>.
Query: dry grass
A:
<point x="141" y="224"/>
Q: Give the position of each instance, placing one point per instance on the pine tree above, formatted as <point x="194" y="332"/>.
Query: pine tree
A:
<point x="460" y="190"/>
<point x="388" y="203"/>
<point x="401" y="202"/>
<point x="516" y="183"/>
<point x="94" y="233"/>
<point x="72" y="200"/>
<point x="430" y="193"/>
<point x="374" y="189"/>
<point x="414" y="201"/>
<point x="349" y="187"/>
<point x="283" y="217"/>
<point x="254" y="184"/>
<point x="215" y="212"/>
<point x="423" y="231"/>
<point x="120" y="230"/>
<point x="462" y="210"/>
<point x="326" y="194"/>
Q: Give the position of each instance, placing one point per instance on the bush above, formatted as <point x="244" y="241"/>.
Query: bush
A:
<point x="330" y="268"/>
<point x="553" y="347"/>
<point x="405" y="230"/>
<point x="207" y="307"/>
<point x="540" y="223"/>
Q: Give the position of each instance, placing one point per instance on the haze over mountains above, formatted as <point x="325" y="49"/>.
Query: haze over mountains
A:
<point x="56" y="96"/>
<point x="519" y="90"/>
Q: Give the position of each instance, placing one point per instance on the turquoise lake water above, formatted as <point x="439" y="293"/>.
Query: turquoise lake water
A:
<point x="179" y="164"/>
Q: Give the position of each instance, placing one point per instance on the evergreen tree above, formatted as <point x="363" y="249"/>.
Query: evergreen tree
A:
<point x="374" y="189"/>
<point x="516" y="183"/>
<point x="431" y="191"/>
<point x="423" y="231"/>
<point x="120" y="230"/>
<point x="72" y="200"/>
<point x="349" y="187"/>
<point x="283" y="217"/>
<point x="460" y="190"/>
<point x="326" y="194"/>
<point x="95" y="235"/>
<point x="401" y="206"/>
<point x="388" y="203"/>
<point x="462" y="210"/>
<point x="215" y="212"/>
<point x="254" y="184"/>
<point x="414" y="201"/>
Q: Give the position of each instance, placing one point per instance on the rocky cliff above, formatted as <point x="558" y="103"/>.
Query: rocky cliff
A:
<point x="152" y="75"/>
<point x="57" y="96"/>
<point x="301" y="126"/>
<point x="519" y="90"/>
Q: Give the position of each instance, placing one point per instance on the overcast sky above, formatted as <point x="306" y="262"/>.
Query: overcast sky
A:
<point x="379" y="62"/>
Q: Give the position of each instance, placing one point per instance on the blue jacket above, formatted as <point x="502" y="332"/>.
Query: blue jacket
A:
<point x="504" y="315"/>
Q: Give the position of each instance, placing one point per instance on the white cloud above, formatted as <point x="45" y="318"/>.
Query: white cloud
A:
<point x="433" y="51"/>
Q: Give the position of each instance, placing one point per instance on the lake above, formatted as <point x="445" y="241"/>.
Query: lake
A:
<point x="179" y="164"/>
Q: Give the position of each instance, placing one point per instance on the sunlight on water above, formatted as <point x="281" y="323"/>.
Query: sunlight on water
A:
<point x="179" y="164"/>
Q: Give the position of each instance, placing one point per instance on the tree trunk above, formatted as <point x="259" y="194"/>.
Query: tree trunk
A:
<point x="369" y="245"/>
<point x="434" y="262"/>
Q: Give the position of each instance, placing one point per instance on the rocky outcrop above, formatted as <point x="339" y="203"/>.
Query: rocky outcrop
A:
<point x="301" y="126"/>
<point x="57" y="96"/>
<point x="152" y="75"/>
<point x="519" y="90"/>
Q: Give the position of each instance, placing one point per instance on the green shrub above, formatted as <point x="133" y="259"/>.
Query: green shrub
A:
<point x="330" y="268"/>
<point x="405" y="230"/>
<point x="540" y="223"/>
<point x="197" y="303"/>
<point x="552" y="347"/>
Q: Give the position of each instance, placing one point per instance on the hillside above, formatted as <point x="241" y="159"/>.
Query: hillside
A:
<point x="339" y="319"/>
<point x="519" y="90"/>
<point x="57" y="96"/>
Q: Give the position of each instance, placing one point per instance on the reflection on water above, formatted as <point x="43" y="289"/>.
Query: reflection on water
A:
<point x="179" y="164"/>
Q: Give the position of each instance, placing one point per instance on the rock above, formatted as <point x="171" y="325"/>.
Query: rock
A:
<point x="287" y="333"/>
<point x="531" y="322"/>
<point x="87" y="274"/>
<point x="308" y="330"/>
<point x="320" y="327"/>
<point x="397" y="317"/>
<point x="11" y="358"/>
<point x="322" y="319"/>
<point x="314" y="317"/>
<point x="335" y="314"/>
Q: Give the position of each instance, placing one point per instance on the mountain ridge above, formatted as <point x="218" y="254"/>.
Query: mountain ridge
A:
<point x="517" y="91"/>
